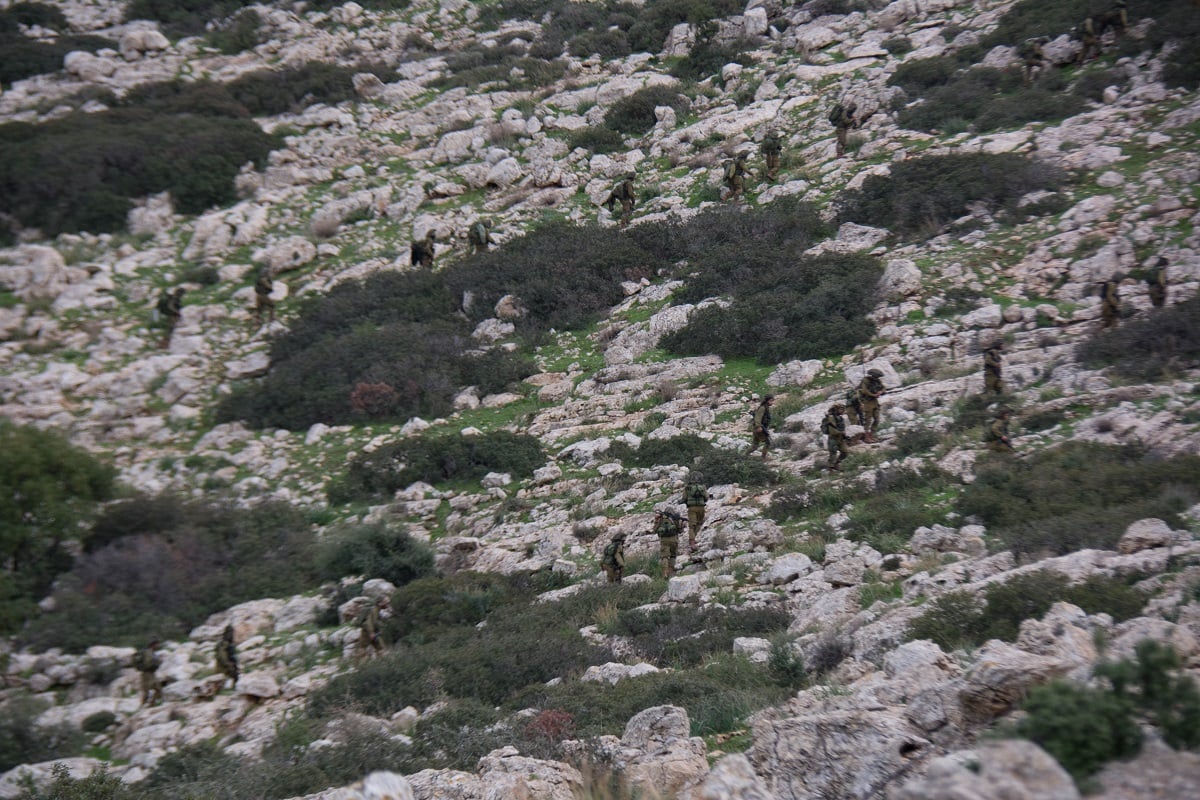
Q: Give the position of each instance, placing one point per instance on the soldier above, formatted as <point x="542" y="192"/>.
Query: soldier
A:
<point x="262" y="296"/>
<point x="996" y="436"/>
<point x="423" y="251"/>
<point x="772" y="149"/>
<point x="147" y="662"/>
<point x="368" y="625"/>
<point x="479" y="236"/>
<point x="1033" y="58"/>
<point x="1115" y="19"/>
<point x="1089" y="40"/>
<point x="870" y="388"/>
<point x="834" y="428"/>
<point x="842" y="118"/>
<point x="736" y="173"/>
<point x="993" y="359"/>
<point x="1110" y="302"/>
<point x="624" y="194"/>
<point x="1158" y="283"/>
<point x="762" y="425"/>
<point x="170" y="308"/>
<point x="227" y="656"/>
<point x="667" y="526"/>
<point x="613" y="559"/>
<point x="695" y="497"/>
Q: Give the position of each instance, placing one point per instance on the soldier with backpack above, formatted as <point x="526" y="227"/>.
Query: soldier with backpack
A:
<point x="624" y="194"/>
<point x="1110" y="302"/>
<point x="147" y="662"/>
<point x="613" y="559"/>
<point x="841" y="116"/>
<point x="834" y="428"/>
<point x="762" y="425"/>
<point x="423" y="251"/>
<point x="772" y="149"/>
<point x="667" y="526"/>
<point x="695" y="497"/>
<point x="170" y="309"/>
<point x="1033" y="58"/>
<point x="263" y="287"/>
<point x="996" y="437"/>
<point x="479" y="236"/>
<point x="227" y="663"/>
<point x="993" y="361"/>
<point x="1089" y="41"/>
<point x="870" y="389"/>
<point x="736" y="173"/>
<point x="368" y="626"/>
<point x="1158" y="283"/>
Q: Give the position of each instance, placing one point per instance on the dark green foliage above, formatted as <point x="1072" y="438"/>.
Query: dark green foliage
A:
<point x="427" y="607"/>
<point x="786" y="665"/>
<point x="98" y="785"/>
<point x="1078" y="495"/>
<point x="239" y="34"/>
<point x="634" y="115"/>
<point x="707" y="59"/>
<point x="950" y="621"/>
<point x="48" y="488"/>
<point x="1156" y="684"/>
<point x="22" y="57"/>
<point x="181" y="18"/>
<point x="916" y="441"/>
<point x="438" y="459"/>
<point x="972" y="412"/>
<point x="1082" y="728"/>
<point x="1091" y="84"/>
<point x="897" y="46"/>
<point x="597" y="138"/>
<point x="506" y="65"/>
<point x="923" y="194"/>
<point x="373" y="5"/>
<point x="374" y="551"/>
<point x="269" y="92"/>
<point x="718" y="466"/>
<point x="23" y="742"/>
<point x="901" y="503"/>
<point x="1026" y="596"/>
<point x="40" y="15"/>
<point x="203" y="275"/>
<point x="727" y="466"/>
<point x="919" y="76"/>
<point x="682" y="636"/>
<point x="77" y="172"/>
<point x="1156" y="347"/>
<point x="1103" y="595"/>
<point x="99" y="722"/>
<point x="169" y="576"/>
<point x="989" y="99"/>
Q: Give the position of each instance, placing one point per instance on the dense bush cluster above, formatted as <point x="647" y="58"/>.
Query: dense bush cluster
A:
<point x="682" y="636"/>
<point x="634" y="115"/>
<point x="1078" y="495"/>
<point x="23" y="742"/>
<point x="1152" y="348"/>
<point x="507" y="65"/>
<point x="436" y="460"/>
<point x="717" y="466"/>
<point x="180" y="18"/>
<point x="960" y="619"/>
<point x="923" y="194"/>
<point x="986" y="99"/>
<point x="22" y="57"/>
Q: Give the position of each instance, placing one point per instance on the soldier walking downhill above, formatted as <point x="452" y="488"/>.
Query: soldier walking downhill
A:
<point x="263" y="287"/>
<point x="147" y="662"/>
<point x="423" y="251"/>
<point x="1110" y="302"/>
<point x="736" y="173"/>
<point x="772" y="149"/>
<point x="834" y="428"/>
<point x="667" y="526"/>
<point x="996" y="437"/>
<point x="1158" y="283"/>
<point x="227" y="663"/>
<point x="762" y="425"/>
<point x="613" y="559"/>
<point x="624" y="194"/>
<point x="368" y="625"/>
<point x="841" y="116"/>
<point x="479" y="236"/>
<point x="695" y="497"/>
<point x="993" y="360"/>
<point x="170" y="308"/>
<point x="870" y="389"/>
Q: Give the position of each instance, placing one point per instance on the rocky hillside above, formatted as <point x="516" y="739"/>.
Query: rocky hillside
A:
<point x="854" y="634"/>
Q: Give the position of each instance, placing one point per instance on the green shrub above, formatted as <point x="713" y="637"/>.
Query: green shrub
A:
<point x="1100" y="594"/>
<point x="634" y="115"/>
<point x="919" y="76"/>
<point x="1082" y="728"/>
<point x="438" y="459"/>
<point x="32" y="14"/>
<point x="677" y="450"/>
<point x="1157" y="347"/>
<point x="914" y="441"/>
<point x="181" y="18"/>
<point x="23" y="742"/>
<point x="597" y="139"/>
<point x="203" y="275"/>
<point x="1078" y="495"/>
<point x="1022" y="597"/>
<point x="1091" y="84"/>
<point x="897" y="46"/>
<point x="950" y="621"/>
<point x="374" y="551"/>
<point x="708" y="58"/>
<point x="427" y="607"/>
<point x="166" y="579"/>
<point x="903" y="500"/>
<point x="98" y="722"/>
<point x="22" y="57"/>
<point x="683" y="636"/>
<point x="240" y="33"/>
<point x="1155" y="683"/>
<point x="269" y="92"/>
<point x="97" y="785"/>
<point x="786" y="665"/>
<point x="923" y="194"/>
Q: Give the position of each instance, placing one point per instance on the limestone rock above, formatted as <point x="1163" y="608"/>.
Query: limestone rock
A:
<point x="1145" y="534"/>
<point x="1007" y="769"/>
<point x="731" y="778"/>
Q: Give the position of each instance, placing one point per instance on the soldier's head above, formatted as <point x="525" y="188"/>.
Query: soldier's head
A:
<point x="997" y="346"/>
<point x="1118" y="277"/>
<point x="1161" y="262"/>
<point x="618" y="537"/>
<point x="179" y="291"/>
<point x="153" y="643"/>
<point x="228" y="632"/>
<point x="768" y="399"/>
<point x="837" y="408"/>
<point x="875" y="373"/>
<point x="1003" y="412"/>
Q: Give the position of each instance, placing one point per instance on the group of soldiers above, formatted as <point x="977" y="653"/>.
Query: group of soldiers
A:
<point x="147" y="662"/>
<point x="668" y="525"/>
<point x="479" y="239"/>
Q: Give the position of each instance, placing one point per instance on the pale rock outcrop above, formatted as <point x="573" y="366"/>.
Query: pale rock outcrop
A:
<point x="901" y="278"/>
<point x="36" y="272"/>
<point x="139" y="42"/>
<point x="41" y="774"/>
<point x="795" y="373"/>
<point x="1145" y="534"/>
<point x="506" y="773"/>
<point x="612" y="672"/>
<point x="1001" y="677"/>
<point x="731" y="778"/>
<point x="657" y="751"/>
<point x="1008" y="769"/>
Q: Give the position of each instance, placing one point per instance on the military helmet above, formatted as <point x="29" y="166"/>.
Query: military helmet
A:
<point x="1162" y="261"/>
<point x="767" y="397"/>
<point x="837" y="407"/>
<point x="875" y="373"/>
<point x="1002" y="411"/>
<point x="618" y="537"/>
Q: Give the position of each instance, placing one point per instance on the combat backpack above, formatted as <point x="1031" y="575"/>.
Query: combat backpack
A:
<point x="480" y="233"/>
<point x="694" y="494"/>
<point x="609" y="559"/>
<point x="729" y="170"/>
<point x="835" y="114"/>
<point x="144" y="661"/>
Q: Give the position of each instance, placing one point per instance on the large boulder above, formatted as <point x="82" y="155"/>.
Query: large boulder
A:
<point x="1008" y="769"/>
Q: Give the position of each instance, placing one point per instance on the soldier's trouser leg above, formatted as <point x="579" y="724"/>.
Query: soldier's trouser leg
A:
<point x="668" y="550"/>
<point x="762" y="437"/>
<point x="992" y="383"/>
<point x="611" y="573"/>
<point x="842" y="133"/>
<point x="870" y="411"/>
<point x="695" y="520"/>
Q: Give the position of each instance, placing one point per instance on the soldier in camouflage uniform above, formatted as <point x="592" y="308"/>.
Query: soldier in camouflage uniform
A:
<point x="263" y="287"/>
<point x="842" y="119"/>
<point x="423" y="251"/>
<point x="772" y="149"/>
<point x="613" y="559"/>
<point x="996" y="437"/>
<point x="170" y="308"/>
<point x="1089" y="41"/>
<point x="147" y="662"/>
<point x="1158" y="283"/>
<point x="227" y="663"/>
<point x="1033" y="58"/>
<point x="479" y="236"/>
<point x="993" y="360"/>
<point x="667" y="526"/>
<point x="834" y="428"/>
<point x="870" y="389"/>
<point x="762" y="425"/>
<point x="695" y="497"/>
<point x="736" y="173"/>
<point x="368" y="625"/>
<point x="1110" y="302"/>
<point x="624" y="194"/>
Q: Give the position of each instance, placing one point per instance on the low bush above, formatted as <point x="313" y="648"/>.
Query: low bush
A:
<point x="240" y="33"/>
<point x="708" y="58"/>
<point x="597" y="139"/>
<point x="23" y="742"/>
<point x="634" y="115"/>
<point x="98" y="722"/>
<point x="374" y="551"/>
<point x="1156" y="347"/>
<point x="1082" y="728"/>
<point x="903" y="500"/>
<point x="22" y="57"/>
<point x="683" y="636"/>
<point x="916" y="441"/>
<point x="1156" y="684"/>
<point x="506" y="65"/>
<point x="923" y="194"/>
<point x="438" y="459"/>
<point x="677" y="450"/>
<point x="166" y="579"/>
<point x="1078" y="495"/>
<point x="100" y="784"/>
<point x="41" y="15"/>
<point x="181" y="18"/>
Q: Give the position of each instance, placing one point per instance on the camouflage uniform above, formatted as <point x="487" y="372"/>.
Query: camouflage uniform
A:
<point x="613" y="559"/>
<point x="842" y="119"/>
<point x="423" y="251"/>
<point x="735" y="177"/>
<point x="1089" y="40"/>
<point x="666" y="528"/>
<point x="170" y="306"/>
<point x="997" y="438"/>
<point x="1115" y="19"/>
<point x="992" y="365"/>
<point x="834" y="428"/>
<point x="772" y="149"/>
<point x="1033" y="58"/>
<point x="227" y="663"/>
<point x="262" y="296"/>
<point x="479" y="237"/>
<point x="762" y="425"/>
<point x="870" y="388"/>
<point x="624" y="194"/>
<point x="695" y="497"/>
<point x="1110" y="303"/>
<point x="368" y="624"/>
<point x="147" y="662"/>
<point x="1158" y="283"/>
